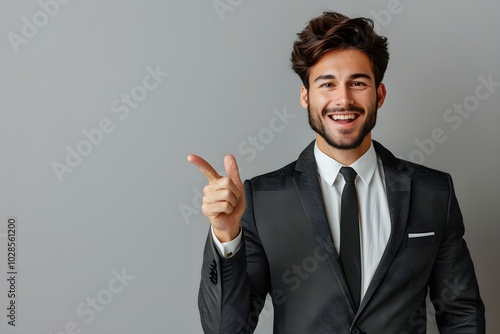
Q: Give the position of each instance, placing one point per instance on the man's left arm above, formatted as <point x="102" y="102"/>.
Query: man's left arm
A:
<point x="453" y="285"/>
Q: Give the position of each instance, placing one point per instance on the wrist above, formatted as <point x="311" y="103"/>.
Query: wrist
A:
<point x="227" y="236"/>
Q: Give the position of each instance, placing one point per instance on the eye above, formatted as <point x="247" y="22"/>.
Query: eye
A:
<point x="358" y="85"/>
<point x="326" y="85"/>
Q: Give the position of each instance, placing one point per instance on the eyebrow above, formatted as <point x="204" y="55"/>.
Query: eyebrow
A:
<point x="352" y="76"/>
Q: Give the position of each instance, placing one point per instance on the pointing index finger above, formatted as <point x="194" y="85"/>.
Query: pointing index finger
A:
<point x="205" y="167"/>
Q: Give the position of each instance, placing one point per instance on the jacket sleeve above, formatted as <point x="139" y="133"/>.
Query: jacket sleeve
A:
<point x="233" y="290"/>
<point x="454" y="289"/>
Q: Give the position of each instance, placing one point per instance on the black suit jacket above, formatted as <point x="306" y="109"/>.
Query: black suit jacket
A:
<point x="288" y="252"/>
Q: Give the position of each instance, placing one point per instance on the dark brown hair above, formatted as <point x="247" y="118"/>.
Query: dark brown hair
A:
<point x="334" y="31"/>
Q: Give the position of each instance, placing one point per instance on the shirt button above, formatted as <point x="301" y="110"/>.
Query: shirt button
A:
<point x="229" y="254"/>
<point x="355" y="330"/>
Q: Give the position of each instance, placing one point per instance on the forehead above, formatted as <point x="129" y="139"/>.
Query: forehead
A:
<point x="341" y="64"/>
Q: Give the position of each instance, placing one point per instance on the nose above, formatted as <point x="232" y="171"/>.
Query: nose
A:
<point x="343" y="96"/>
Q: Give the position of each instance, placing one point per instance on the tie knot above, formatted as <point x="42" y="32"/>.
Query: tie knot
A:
<point x="348" y="173"/>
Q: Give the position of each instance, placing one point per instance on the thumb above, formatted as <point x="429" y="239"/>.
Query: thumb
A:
<point x="232" y="170"/>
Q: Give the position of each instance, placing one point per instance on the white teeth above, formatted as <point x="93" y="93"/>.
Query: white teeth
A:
<point x="343" y="117"/>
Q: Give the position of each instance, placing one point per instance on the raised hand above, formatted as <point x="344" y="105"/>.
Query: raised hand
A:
<point x="223" y="198"/>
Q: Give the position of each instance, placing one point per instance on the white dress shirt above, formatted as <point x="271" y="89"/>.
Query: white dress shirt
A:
<point x="374" y="218"/>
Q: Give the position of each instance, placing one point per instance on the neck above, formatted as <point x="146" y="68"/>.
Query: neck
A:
<point x="345" y="157"/>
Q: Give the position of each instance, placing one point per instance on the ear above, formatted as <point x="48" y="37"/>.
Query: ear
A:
<point x="381" y="94"/>
<point x="304" y="100"/>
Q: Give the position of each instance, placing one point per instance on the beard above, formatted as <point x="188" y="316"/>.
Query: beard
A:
<point x="336" y="141"/>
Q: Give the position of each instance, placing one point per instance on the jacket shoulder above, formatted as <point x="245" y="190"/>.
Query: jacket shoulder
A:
<point x="419" y="174"/>
<point x="275" y="180"/>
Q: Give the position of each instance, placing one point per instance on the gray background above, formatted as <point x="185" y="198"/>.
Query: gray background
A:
<point x="132" y="204"/>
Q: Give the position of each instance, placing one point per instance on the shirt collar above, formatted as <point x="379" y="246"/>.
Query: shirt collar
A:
<point x="329" y="168"/>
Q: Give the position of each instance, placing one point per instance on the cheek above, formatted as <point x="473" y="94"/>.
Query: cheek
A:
<point x="367" y="101"/>
<point x="319" y="100"/>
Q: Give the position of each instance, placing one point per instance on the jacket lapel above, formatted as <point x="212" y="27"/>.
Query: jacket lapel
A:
<point x="306" y="181"/>
<point x="398" y="186"/>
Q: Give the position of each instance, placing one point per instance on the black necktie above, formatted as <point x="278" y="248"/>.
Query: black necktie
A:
<point x="350" y="252"/>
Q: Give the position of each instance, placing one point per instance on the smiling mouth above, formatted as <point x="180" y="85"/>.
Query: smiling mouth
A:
<point x="343" y="117"/>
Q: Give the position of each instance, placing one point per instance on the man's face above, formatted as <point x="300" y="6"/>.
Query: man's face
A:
<point x="342" y="100"/>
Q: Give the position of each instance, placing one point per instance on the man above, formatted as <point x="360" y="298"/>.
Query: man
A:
<point x="287" y="233"/>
